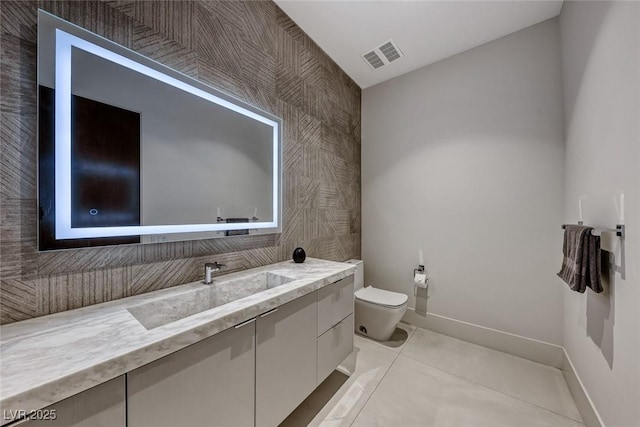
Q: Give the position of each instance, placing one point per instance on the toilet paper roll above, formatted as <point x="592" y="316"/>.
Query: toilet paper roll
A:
<point x="420" y="280"/>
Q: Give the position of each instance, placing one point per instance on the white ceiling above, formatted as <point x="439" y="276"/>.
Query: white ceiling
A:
<point x="425" y="31"/>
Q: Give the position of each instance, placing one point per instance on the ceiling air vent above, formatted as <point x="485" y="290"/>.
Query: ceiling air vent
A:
<point x="383" y="55"/>
<point x="373" y="59"/>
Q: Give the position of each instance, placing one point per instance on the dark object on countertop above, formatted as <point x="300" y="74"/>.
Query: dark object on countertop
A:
<point x="299" y="255"/>
<point x="581" y="262"/>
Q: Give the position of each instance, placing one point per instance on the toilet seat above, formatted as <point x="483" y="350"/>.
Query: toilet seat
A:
<point x="381" y="297"/>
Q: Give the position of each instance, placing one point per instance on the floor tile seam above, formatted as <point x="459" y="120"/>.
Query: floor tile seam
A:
<point x="490" y="388"/>
<point x="415" y="328"/>
<point x="380" y="347"/>
<point x="397" y="355"/>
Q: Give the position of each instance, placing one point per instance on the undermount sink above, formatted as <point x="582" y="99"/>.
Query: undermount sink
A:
<point x="222" y="291"/>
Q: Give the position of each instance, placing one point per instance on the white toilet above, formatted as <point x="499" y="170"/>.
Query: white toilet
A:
<point x="377" y="312"/>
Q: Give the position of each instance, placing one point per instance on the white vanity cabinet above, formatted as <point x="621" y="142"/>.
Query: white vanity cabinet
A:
<point x="298" y="331"/>
<point x="100" y="406"/>
<point x="253" y="374"/>
<point x="335" y="325"/>
<point x="285" y="359"/>
<point x="210" y="383"/>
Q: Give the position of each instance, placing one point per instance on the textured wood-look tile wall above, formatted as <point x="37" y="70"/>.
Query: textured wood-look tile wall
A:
<point x="250" y="50"/>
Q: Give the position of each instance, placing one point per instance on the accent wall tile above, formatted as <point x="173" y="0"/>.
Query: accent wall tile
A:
<point x="18" y="260"/>
<point x="261" y="97"/>
<point x="218" y="41"/>
<point x="74" y="290"/>
<point x="289" y="191"/>
<point x="96" y="16"/>
<point x="312" y="162"/>
<point x="234" y="244"/>
<point x="160" y="275"/>
<point x="293" y="225"/>
<point x="307" y="192"/>
<point x="328" y="196"/>
<point x="288" y="53"/>
<point x="173" y="19"/>
<point x="17" y="220"/>
<point x="293" y="159"/>
<point x="231" y="11"/>
<point x="18" y="69"/>
<point x="17" y="299"/>
<point x="310" y="130"/>
<point x="258" y="65"/>
<point x="311" y="71"/>
<point x="335" y="222"/>
<point x="154" y="45"/>
<point x="152" y="252"/>
<point x="290" y="27"/>
<point x="19" y="18"/>
<point x="339" y="116"/>
<point x="250" y="50"/>
<point x="310" y="46"/>
<point x="18" y="155"/>
<point x="258" y="257"/>
<point x="62" y="293"/>
<point x="312" y="101"/>
<point x="290" y="116"/>
<point x="218" y="78"/>
<point x="260" y="25"/>
<point x="311" y="223"/>
<point x="71" y="260"/>
<point x="328" y="248"/>
<point x="290" y="87"/>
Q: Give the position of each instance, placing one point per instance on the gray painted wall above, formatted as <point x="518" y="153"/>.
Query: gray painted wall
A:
<point x="601" y="69"/>
<point x="464" y="159"/>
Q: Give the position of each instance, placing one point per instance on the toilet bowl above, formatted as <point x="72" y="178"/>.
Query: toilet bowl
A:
<point x="377" y="311"/>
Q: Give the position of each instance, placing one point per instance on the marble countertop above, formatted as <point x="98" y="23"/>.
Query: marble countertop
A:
<point x="50" y="358"/>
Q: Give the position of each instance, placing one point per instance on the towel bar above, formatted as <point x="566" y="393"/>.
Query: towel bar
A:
<point x="619" y="230"/>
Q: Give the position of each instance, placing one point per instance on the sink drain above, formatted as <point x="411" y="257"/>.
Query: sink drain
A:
<point x="363" y="329"/>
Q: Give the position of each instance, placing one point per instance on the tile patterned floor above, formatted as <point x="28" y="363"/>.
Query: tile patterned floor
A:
<point x="422" y="378"/>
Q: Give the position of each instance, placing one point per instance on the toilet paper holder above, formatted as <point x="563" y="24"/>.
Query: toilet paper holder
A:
<point x="416" y="271"/>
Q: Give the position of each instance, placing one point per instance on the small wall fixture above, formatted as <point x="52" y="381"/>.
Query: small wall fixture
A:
<point x="619" y="230"/>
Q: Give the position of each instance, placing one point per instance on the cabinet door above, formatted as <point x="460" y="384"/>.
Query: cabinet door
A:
<point x="335" y="302"/>
<point x="286" y="359"/>
<point x="210" y="383"/>
<point x="100" y="406"/>
<point x="334" y="346"/>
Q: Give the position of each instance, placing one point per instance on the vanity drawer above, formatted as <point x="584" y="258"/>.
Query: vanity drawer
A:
<point x="334" y="346"/>
<point x="335" y="302"/>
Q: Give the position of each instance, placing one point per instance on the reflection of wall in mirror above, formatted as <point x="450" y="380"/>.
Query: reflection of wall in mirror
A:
<point x="196" y="156"/>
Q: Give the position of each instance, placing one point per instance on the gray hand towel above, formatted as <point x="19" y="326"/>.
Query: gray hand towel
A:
<point x="581" y="262"/>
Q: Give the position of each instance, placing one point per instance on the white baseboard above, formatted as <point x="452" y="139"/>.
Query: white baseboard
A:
<point x="585" y="406"/>
<point x="527" y="348"/>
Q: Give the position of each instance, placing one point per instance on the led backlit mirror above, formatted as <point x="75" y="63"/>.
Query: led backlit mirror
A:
<point x="131" y="151"/>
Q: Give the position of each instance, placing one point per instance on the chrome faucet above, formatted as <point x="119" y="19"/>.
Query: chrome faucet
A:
<point x="209" y="268"/>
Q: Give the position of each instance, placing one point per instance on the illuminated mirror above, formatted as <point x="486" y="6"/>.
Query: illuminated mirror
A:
<point x="131" y="151"/>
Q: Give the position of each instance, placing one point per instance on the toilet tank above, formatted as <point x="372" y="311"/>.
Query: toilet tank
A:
<point x="358" y="278"/>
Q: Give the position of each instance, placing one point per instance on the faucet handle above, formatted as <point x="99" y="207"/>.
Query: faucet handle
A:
<point x="215" y="265"/>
